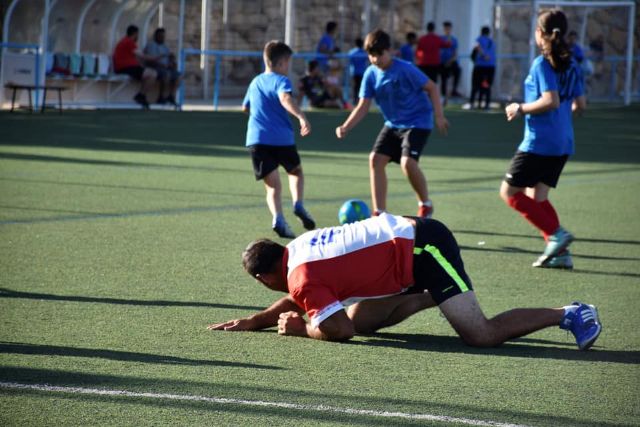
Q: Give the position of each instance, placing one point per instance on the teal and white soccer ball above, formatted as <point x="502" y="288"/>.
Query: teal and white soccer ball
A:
<point x="353" y="210"/>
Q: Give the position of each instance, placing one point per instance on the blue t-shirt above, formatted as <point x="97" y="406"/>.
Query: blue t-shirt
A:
<point x="578" y="53"/>
<point x="551" y="133"/>
<point x="399" y="93"/>
<point x="269" y="122"/>
<point x="488" y="56"/>
<point x="446" y="53"/>
<point x="358" y="61"/>
<point x="328" y="44"/>
<point x="406" y="52"/>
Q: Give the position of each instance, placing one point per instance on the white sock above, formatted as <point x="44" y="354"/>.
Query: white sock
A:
<point x="426" y="203"/>
<point x="570" y="309"/>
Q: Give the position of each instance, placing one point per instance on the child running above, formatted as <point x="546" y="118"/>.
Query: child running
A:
<point x="399" y="90"/>
<point x="270" y="135"/>
<point x="552" y="91"/>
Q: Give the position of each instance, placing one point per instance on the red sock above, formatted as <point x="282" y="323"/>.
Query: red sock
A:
<point x="551" y="212"/>
<point x="534" y="213"/>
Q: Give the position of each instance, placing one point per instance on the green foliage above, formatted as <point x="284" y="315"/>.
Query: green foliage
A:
<point x="121" y="234"/>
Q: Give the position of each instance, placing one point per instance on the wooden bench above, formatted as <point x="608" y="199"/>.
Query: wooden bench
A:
<point x="30" y="88"/>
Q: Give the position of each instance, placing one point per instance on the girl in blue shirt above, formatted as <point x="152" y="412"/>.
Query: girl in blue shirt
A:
<point x="553" y="90"/>
<point x="409" y="102"/>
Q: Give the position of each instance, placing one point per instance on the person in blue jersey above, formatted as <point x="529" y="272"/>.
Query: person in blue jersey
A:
<point x="406" y="50"/>
<point x="553" y="91"/>
<point x="270" y="135"/>
<point x="327" y="46"/>
<point x="358" y="63"/>
<point x="484" y="69"/>
<point x="449" y="61"/>
<point x="574" y="47"/>
<point x="409" y="102"/>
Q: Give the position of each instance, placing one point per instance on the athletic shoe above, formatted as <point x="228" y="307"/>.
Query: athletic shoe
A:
<point x="282" y="229"/>
<point x="171" y="100"/>
<point x="584" y="324"/>
<point x="307" y="221"/>
<point x="142" y="100"/>
<point x="558" y="242"/>
<point x="425" y="211"/>
<point x="562" y="260"/>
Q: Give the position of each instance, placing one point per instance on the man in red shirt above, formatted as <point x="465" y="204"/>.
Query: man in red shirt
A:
<point x="385" y="265"/>
<point x="127" y="59"/>
<point x="428" y="52"/>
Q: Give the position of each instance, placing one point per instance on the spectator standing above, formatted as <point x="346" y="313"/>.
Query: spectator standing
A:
<point x="406" y="50"/>
<point x="358" y="63"/>
<point x="270" y="135"/>
<point x="449" y="60"/>
<point x="327" y="46"/>
<point x="428" y="52"/>
<point x="484" y="68"/>
<point x="128" y="59"/>
<point x="165" y="65"/>
<point x="574" y="47"/>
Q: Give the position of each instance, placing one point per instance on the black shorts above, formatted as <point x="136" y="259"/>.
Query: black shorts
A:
<point x="529" y="169"/>
<point x="134" y="72"/>
<point x="431" y="71"/>
<point x="266" y="158"/>
<point x="167" y="73"/>
<point x="397" y="143"/>
<point x="437" y="264"/>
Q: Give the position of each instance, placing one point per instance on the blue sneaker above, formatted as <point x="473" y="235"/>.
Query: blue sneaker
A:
<point x="558" y="242"/>
<point x="584" y="324"/>
<point x="562" y="260"/>
<point x="307" y="221"/>
<point x="282" y="229"/>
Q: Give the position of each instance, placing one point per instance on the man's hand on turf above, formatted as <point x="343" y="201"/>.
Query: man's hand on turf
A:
<point x="233" y="325"/>
<point x="291" y="323"/>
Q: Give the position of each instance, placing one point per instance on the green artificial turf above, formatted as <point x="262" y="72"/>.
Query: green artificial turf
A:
<point x="121" y="234"/>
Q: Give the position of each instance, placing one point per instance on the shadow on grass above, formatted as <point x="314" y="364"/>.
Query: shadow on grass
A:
<point x="9" y="293"/>
<point x="124" y="356"/>
<point x="310" y="399"/>
<point x="537" y="237"/>
<point x="514" y="348"/>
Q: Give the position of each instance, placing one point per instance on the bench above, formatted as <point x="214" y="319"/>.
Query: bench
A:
<point x="30" y="88"/>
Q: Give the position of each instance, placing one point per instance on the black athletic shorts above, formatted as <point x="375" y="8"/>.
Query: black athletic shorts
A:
<point x="397" y="143"/>
<point x="266" y="158"/>
<point x="529" y="169"/>
<point x="437" y="264"/>
<point x="134" y="72"/>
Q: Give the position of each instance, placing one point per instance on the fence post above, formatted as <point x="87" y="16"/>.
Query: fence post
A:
<point x="216" y="83"/>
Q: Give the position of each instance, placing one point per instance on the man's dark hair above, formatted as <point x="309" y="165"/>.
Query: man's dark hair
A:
<point x="275" y="51"/>
<point x="485" y="31"/>
<point x="431" y="26"/>
<point x="312" y="65"/>
<point x="331" y="26"/>
<point x="261" y="256"/>
<point x="157" y="32"/>
<point x="359" y="42"/>
<point x="377" y="42"/>
<point x="411" y="36"/>
<point x="572" y="33"/>
<point x="131" y="30"/>
<point x="447" y="24"/>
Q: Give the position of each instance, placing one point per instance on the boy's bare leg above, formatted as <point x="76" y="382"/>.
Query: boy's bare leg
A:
<point x="418" y="181"/>
<point x="465" y="315"/>
<point x="296" y="184"/>
<point x="274" y="192"/>
<point x="378" y="178"/>
<point x="370" y="315"/>
<point x="149" y="76"/>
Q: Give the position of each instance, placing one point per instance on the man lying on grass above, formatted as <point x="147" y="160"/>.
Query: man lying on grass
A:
<point x="381" y="267"/>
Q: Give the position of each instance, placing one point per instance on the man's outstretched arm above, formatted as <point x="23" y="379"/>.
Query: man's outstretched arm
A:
<point x="261" y="320"/>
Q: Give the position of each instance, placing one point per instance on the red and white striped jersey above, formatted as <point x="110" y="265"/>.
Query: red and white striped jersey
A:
<point x="330" y="268"/>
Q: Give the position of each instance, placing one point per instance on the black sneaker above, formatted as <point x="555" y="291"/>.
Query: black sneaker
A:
<point x="142" y="100"/>
<point x="282" y="229"/>
<point x="161" y="100"/>
<point x="171" y="100"/>
<point x="307" y="221"/>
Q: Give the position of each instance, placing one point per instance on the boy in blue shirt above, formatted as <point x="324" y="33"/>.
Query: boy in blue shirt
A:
<point x="484" y="68"/>
<point x="553" y="90"/>
<point x="406" y="50"/>
<point x="449" y="61"/>
<point x="358" y="63"/>
<point x="270" y="135"/>
<point x="399" y="90"/>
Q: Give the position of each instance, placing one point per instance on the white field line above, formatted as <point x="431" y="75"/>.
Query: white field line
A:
<point x="223" y="401"/>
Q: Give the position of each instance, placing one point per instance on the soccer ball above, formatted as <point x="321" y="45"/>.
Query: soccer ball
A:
<point x="353" y="210"/>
